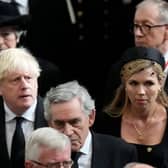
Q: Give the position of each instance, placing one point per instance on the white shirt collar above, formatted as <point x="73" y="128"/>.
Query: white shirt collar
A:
<point x="87" y="147"/>
<point x="28" y="114"/>
<point x="166" y="56"/>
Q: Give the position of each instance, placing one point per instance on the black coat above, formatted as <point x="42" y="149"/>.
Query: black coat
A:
<point x="111" y="152"/>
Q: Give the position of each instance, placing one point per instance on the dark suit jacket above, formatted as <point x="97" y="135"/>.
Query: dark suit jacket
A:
<point x="111" y="152"/>
<point x="39" y="122"/>
<point x="49" y="77"/>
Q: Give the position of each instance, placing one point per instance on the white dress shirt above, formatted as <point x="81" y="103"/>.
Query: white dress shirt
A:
<point x="166" y="62"/>
<point x="85" y="159"/>
<point x="27" y="124"/>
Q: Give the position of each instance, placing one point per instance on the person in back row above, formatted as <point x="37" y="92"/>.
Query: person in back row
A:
<point x="70" y="109"/>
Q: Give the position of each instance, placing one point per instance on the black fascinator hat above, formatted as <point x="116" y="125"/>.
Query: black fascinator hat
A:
<point x="134" y="53"/>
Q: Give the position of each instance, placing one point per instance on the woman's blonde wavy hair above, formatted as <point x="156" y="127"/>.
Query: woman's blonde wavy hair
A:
<point x="121" y="101"/>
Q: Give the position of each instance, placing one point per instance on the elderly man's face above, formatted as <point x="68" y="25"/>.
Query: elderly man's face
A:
<point x="69" y="118"/>
<point x="8" y="37"/>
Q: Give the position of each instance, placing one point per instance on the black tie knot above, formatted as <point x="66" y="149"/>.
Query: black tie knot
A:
<point x="19" y="120"/>
<point x="75" y="156"/>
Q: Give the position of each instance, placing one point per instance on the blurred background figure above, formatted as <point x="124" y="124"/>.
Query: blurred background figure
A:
<point x="21" y="5"/>
<point x="12" y="25"/>
<point x="83" y="29"/>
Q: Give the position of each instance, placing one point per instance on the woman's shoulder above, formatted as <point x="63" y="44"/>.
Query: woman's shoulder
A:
<point x="107" y="124"/>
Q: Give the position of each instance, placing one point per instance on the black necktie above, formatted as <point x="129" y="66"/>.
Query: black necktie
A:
<point x="18" y="145"/>
<point x="75" y="157"/>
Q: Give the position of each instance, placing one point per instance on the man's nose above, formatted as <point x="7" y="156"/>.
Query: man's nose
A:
<point x="68" y="129"/>
<point x="24" y="82"/>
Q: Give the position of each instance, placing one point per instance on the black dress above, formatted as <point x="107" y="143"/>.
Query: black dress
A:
<point x="155" y="155"/>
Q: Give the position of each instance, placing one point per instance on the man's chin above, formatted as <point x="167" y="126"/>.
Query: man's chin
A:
<point x="140" y="44"/>
<point x="75" y="146"/>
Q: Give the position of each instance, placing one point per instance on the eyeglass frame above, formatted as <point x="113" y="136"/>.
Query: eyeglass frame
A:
<point x="147" y="27"/>
<point x="70" y="162"/>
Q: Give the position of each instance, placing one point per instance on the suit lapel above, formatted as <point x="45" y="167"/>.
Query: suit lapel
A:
<point x="39" y="114"/>
<point x="4" y="157"/>
<point x="96" y="154"/>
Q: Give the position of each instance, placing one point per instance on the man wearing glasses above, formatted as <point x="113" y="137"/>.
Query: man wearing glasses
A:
<point x="48" y="148"/>
<point x="151" y="26"/>
<point x="150" y="29"/>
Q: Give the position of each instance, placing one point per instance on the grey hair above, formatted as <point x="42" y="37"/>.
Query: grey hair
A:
<point x="162" y="7"/>
<point x="47" y="137"/>
<point x="13" y="59"/>
<point x="134" y="164"/>
<point x="66" y="92"/>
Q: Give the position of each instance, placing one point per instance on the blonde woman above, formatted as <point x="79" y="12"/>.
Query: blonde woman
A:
<point x="138" y="112"/>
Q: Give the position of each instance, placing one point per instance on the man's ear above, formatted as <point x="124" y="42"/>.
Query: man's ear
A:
<point x="164" y="46"/>
<point x="162" y="82"/>
<point x="92" y="117"/>
<point x="28" y="164"/>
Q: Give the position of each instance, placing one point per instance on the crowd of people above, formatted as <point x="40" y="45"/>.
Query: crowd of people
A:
<point x="63" y="110"/>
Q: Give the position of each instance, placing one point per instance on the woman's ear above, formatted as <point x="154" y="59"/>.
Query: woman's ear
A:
<point x="164" y="46"/>
<point x="162" y="82"/>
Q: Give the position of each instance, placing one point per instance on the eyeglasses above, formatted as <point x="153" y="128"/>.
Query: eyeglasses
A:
<point x="145" y="29"/>
<point x="65" y="164"/>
